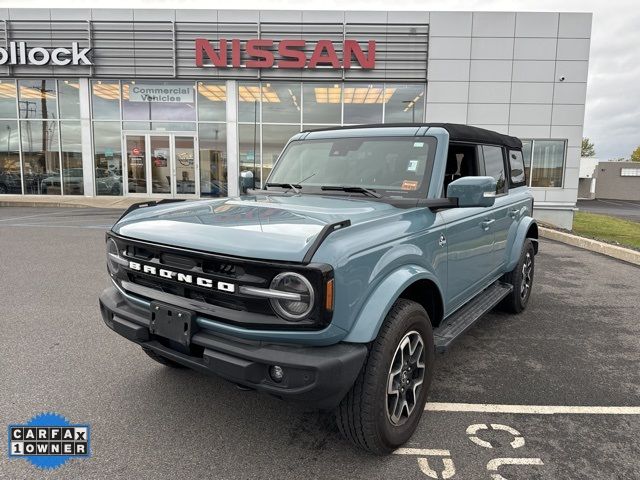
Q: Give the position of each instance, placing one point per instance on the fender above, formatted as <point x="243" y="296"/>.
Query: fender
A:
<point x="517" y="240"/>
<point x="368" y="322"/>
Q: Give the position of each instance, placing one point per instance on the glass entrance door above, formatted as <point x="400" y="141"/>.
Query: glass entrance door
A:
<point x="160" y="146"/>
<point x="136" y="164"/>
<point x="161" y="165"/>
<point x="184" y="151"/>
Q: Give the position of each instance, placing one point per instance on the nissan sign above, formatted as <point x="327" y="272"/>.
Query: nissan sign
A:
<point x="17" y="53"/>
<point x="260" y="53"/>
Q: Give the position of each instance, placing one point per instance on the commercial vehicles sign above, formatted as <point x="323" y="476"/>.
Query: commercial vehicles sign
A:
<point x="18" y="53"/>
<point x="289" y="53"/>
<point x="158" y="92"/>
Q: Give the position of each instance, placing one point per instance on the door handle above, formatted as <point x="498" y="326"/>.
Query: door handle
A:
<point x="514" y="213"/>
<point x="486" y="224"/>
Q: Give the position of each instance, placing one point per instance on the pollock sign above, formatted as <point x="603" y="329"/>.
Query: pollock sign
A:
<point x="17" y="53"/>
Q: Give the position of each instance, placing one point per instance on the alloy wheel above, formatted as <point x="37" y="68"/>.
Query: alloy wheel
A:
<point x="405" y="378"/>
<point x="525" y="284"/>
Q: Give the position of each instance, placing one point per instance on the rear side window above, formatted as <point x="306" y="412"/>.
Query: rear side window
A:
<point x="494" y="166"/>
<point x="516" y="167"/>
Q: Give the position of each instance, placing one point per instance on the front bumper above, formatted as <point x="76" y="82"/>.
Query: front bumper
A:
<point x="318" y="376"/>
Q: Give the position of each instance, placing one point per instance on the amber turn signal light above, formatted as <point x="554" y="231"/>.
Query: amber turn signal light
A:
<point x="328" y="301"/>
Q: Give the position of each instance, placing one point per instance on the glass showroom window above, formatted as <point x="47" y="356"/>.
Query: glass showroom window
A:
<point x="107" y="157"/>
<point x="105" y="99"/>
<point x="37" y="99"/>
<point x="404" y="103"/>
<point x="40" y="157"/>
<point x="249" y="150"/>
<point x="71" y="149"/>
<point x="526" y="153"/>
<point x="281" y="103"/>
<point x="278" y="109"/>
<point x="8" y="94"/>
<point x="212" y="138"/>
<point x="547" y="164"/>
<point x="9" y="157"/>
<point x="212" y="102"/>
<point x="275" y="137"/>
<point x="69" y="98"/>
<point x="10" y="181"/>
<point x="249" y="102"/>
<point x="363" y="103"/>
<point x="322" y="104"/>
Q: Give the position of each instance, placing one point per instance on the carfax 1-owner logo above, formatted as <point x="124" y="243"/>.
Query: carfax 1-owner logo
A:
<point x="49" y="440"/>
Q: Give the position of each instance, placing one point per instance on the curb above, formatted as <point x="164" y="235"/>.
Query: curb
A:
<point x="620" y="253"/>
<point x="71" y="202"/>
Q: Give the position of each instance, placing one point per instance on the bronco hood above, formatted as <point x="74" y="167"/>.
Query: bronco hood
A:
<point x="265" y="227"/>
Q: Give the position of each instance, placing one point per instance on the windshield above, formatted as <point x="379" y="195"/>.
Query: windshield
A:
<point x="391" y="166"/>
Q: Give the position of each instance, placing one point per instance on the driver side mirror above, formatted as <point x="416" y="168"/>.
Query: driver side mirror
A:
<point x="246" y="181"/>
<point x="473" y="191"/>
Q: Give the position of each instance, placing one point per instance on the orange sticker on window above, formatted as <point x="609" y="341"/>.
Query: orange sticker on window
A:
<point x="409" y="185"/>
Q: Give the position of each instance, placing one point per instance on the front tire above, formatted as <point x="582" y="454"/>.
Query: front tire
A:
<point x="521" y="277"/>
<point x="383" y="408"/>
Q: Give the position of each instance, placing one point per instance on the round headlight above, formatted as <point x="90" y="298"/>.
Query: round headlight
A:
<point x="294" y="309"/>
<point x="113" y="257"/>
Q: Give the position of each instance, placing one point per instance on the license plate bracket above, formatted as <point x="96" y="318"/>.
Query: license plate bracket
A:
<point x="172" y="323"/>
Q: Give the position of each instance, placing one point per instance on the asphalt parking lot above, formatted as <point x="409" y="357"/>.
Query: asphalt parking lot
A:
<point x="626" y="209"/>
<point x="578" y="344"/>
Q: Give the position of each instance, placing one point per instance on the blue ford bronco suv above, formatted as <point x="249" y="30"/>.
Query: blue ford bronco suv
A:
<point x="366" y="250"/>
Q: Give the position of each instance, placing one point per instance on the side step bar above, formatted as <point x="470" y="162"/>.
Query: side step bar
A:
<point x="462" y="320"/>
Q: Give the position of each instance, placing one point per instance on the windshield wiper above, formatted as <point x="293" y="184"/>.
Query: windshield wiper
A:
<point x="342" y="188"/>
<point x="292" y="186"/>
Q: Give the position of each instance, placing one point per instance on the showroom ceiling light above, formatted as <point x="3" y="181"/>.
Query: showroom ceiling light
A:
<point x="411" y="103"/>
<point x="354" y="95"/>
<point x="72" y="84"/>
<point x="328" y="94"/>
<point x="107" y="91"/>
<point x="35" y="93"/>
<point x="214" y="93"/>
<point x="7" y="90"/>
<point x="251" y="93"/>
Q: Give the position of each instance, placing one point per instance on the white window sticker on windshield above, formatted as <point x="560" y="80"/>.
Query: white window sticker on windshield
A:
<point x="418" y="144"/>
<point x="413" y="166"/>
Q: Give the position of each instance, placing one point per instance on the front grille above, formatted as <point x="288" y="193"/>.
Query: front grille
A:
<point x="212" y="268"/>
<point x="186" y="268"/>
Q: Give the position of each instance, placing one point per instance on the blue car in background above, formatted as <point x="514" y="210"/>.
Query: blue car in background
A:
<point x="366" y="250"/>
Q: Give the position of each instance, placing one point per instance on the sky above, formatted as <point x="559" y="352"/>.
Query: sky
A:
<point x="612" y="116"/>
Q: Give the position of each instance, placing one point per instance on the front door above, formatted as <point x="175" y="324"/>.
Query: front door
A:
<point x="161" y="165"/>
<point x="469" y="240"/>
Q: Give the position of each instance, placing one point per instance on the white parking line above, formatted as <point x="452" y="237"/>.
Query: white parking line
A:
<point x="427" y="452"/>
<point x="530" y="409"/>
<point x="49" y="214"/>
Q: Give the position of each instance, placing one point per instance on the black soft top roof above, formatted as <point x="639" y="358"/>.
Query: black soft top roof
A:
<point x="457" y="132"/>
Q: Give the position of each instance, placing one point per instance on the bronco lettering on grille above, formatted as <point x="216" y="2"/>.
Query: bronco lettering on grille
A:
<point x="182" y="277"/>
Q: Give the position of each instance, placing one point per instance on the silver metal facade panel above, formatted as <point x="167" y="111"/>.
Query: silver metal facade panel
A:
<point x="149" y="44"/>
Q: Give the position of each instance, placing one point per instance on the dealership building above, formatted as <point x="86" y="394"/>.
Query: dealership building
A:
<point x="176" y="103"/>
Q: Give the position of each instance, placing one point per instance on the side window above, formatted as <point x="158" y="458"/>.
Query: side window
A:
<point x="516" y="167"/>
<point x="462" y="161"/>
<point x="494" y="166"/>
